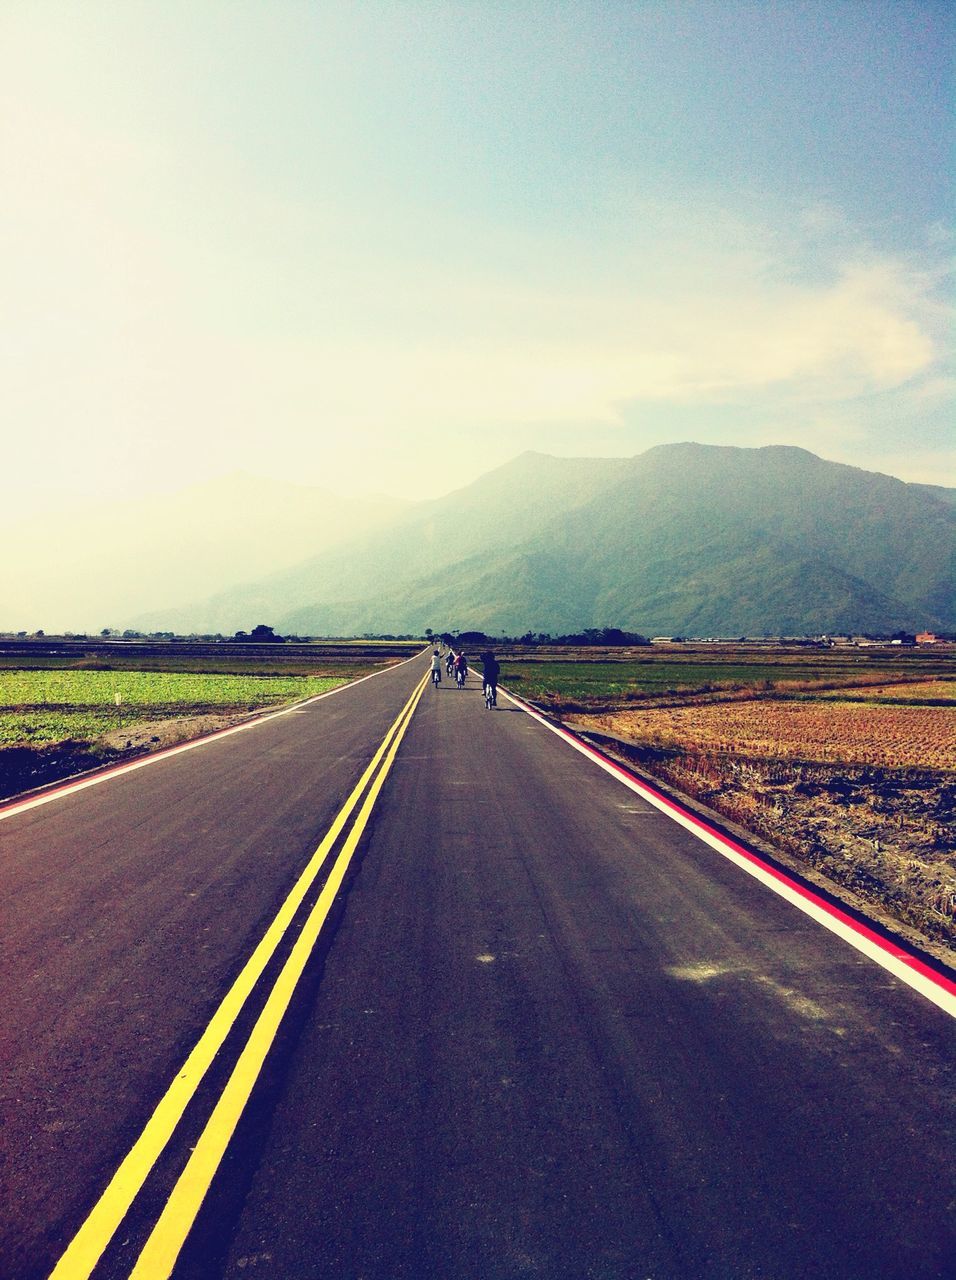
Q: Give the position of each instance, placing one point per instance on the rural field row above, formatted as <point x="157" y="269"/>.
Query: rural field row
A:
<point x="847" y="761"/>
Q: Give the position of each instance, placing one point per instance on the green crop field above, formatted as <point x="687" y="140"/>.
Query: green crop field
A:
<point x="68" y="706"/>
<point x="600" y="680"/>
<point x="52" y="706"/>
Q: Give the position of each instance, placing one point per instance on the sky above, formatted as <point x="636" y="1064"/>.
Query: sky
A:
<point x="387" y="245"/>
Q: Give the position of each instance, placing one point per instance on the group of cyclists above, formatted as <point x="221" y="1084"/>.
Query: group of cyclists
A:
<point x="456" y="664"/>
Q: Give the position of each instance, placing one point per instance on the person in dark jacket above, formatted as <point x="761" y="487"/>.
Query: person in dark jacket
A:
<point x="490" y="669"/>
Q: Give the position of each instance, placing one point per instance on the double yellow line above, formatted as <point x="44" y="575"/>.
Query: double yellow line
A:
<point x="159" y="1254"/>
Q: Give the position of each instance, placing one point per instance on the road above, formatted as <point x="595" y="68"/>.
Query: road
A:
<point x="544" y="1030"/>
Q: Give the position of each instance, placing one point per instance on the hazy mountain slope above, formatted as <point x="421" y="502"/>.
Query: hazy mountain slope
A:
<point x="769" y="538"/>
<point x="701" y="540"/>
<point x="682" y="539"/>
<point x="800" y="596"/>
<point x="341" y="589"/>
<point x="99" y="566"/>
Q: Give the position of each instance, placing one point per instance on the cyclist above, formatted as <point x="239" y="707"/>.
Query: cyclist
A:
<point x="450" y="661"/>
<point x="490" y="669"/>
<point x="461" y="668"/>
<point x="436" y="668"/>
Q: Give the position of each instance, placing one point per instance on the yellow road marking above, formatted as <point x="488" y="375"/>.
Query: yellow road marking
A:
<point x="161" y="1250"/>
<point x="87" y="1246"/>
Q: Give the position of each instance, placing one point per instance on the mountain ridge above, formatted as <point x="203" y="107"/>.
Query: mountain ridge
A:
<point x="684" y="538"/>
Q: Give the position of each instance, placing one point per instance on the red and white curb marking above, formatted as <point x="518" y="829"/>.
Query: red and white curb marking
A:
<point x="68" y="788"/>
<point x="908" y="968"/>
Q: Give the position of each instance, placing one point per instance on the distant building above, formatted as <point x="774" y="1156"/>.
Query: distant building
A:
<point x="925" y="637"/>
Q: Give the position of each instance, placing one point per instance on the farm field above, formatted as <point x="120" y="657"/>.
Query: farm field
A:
<point x="104" y="703"/>
<point x="607" y="678"/>
<point x="48" y="706"/>
<point x="335" y="656"/>
<point x="925" y="691"/>
<point x="847" y="768"/>
<point x="845" y="732"/>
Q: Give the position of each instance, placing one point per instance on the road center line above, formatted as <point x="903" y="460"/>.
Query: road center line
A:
<point x="161" y="1250"/>
<point x="87" y="1246"/>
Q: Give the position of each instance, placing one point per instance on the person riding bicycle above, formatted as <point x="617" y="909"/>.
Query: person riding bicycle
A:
<point x="450" y="661"/>
<point x="461" y="668"/>
<point x="436" y="667"/>
<point x="490" y="669"/>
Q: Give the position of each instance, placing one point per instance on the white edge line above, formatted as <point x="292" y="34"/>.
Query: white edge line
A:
<point x="70" y="788"/>
<point x="938" y="994"/>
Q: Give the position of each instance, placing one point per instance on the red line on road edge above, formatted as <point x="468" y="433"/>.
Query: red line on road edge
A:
<point x="687" y="817"/>
<point x="81" y="781"/>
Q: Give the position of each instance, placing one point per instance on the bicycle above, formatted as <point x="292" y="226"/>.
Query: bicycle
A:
<point x="436" y="677"/>
<point x="491" y="696"/>
<point x="460" y="678"/>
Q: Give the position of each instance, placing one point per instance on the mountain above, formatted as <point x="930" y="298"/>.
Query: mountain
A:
<point x="339" y="589"/>
<point x="92" y="567"/>
<point x="705" y="540"/>
<point x="682" y="539"/>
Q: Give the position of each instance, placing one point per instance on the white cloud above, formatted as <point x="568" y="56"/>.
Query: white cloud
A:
<point x="558" y="355"/>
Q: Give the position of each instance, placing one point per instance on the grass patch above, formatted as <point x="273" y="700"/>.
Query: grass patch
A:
<point x="43" y="706"/>
<point x="604" y="682"/>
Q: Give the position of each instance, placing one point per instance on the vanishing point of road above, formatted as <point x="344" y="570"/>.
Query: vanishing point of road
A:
<point x="389" y="986"/>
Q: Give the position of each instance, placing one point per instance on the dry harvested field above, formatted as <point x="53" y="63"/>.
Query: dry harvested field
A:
<point x="843" y="732"/>
<point x="845" y="763"/>
<point x="927" y="691"/>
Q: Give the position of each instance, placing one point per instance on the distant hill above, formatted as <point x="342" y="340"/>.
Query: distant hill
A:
<point x="682" y="539"/>
<point x="100" y="565"/>
<point x="340" y="589"/>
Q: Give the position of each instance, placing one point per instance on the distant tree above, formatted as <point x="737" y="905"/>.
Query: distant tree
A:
<point x="39" y="634"/>
<point x="603" y="637"/>
<point x="263" y="634"/>
<point x="614" y="636"/>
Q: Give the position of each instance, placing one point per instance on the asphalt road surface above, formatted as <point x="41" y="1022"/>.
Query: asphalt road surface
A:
<point x="544" y="1031"/>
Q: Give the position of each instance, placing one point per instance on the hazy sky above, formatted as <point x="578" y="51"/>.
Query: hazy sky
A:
<point x="388" y="245"/>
